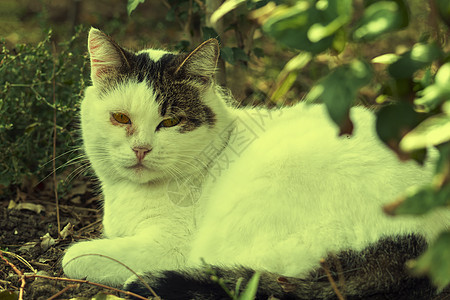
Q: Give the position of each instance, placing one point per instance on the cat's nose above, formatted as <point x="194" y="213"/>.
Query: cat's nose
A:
<point x="141" y="152"/>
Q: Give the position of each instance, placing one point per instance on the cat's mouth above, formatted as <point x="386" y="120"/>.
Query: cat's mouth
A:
<point x="138" y="167"/>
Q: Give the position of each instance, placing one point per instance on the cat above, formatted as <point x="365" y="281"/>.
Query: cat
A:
<point x="194" y="186"/>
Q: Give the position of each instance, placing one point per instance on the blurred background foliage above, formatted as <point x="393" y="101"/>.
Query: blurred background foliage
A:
<point x="392" y="56"/>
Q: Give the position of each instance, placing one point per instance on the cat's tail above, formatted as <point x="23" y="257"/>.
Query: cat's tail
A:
<point x="377" y="272"/>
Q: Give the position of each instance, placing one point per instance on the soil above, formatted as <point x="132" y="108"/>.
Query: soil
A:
<point x="29" y="240"/>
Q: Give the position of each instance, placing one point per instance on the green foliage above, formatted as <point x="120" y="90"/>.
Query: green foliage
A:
<point x="250" y="290"/>
<point x="132" y="4"/>
<point x="424" y="200"/>
<point x="435" y="94"/>
<point x="339" y="97"/>
<point x="420" y="56"/>
<point x="419" y="114"/>
<point x="436" y="261"/>
<point x="309" y="25"/>
<point x="393" y="121"/>
<point x="35" y="80"/>
<point x="379" y="18"/>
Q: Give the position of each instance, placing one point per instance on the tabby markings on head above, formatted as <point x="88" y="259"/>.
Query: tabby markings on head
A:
<point x="177" y="91"/>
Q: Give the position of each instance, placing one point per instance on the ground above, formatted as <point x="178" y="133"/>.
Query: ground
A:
<point x="29" y="239"/>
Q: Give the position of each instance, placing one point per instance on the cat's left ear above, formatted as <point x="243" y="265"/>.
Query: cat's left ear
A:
<point x="108" y="59"/>
<point x="202" y="62"/>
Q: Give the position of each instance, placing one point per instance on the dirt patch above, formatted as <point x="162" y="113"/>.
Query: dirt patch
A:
<point x="29" y="240"/>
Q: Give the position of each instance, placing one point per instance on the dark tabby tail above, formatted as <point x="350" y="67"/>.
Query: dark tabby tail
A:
<point x="377" y="272"/>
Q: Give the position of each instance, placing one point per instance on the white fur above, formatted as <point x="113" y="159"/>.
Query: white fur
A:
<point x="283" y="192"/>
<point x="154" y="54"/>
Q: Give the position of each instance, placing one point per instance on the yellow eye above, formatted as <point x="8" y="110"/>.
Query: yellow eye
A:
<point x="169" y="122"/>
<point x="121" y="118"/>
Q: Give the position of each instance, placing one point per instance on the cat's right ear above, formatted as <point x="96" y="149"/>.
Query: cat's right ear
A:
<point x="108" y="59"/>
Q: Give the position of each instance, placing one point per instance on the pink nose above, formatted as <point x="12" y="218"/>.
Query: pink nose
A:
<point x="141" y="152"/>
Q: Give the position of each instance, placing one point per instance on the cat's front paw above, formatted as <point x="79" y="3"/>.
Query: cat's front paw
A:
<point x="87" y="260"/>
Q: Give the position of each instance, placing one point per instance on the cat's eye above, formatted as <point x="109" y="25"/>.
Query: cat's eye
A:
<point x="170" y="122"/>
<point x="121" y="118"/>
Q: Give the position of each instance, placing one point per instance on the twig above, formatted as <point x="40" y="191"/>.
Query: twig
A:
<point x="87" y="282"/>
<point x="331" y="280"/>
<point x="26" y="276"/>
<point x="340" y="272"/>
<point x="21" y="259"/>
<point x="55" y="183"/>
<point x="121" y="263"/>
<point x="63" y="291"/>
<point x="18" y="272"/>
<point x="89" y="226"/>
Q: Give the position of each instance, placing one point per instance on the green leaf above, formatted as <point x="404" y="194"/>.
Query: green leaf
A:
<point x="338" y="91"/>
<point x="432" y="96"/>
<point x="340" y="40"/>
<point x="284" y="86"/>
<point x="419" y="56"/>
<point x="132" y="4"/>
<point x="183" y="45"/>
<point x="32" y="127"/>
<point x="423" y="201"/>
<point x="251" y="288"/>
<point x="225" y="8"/>
<point x="308" y="25"/>
<point x="433" y="131"/>
<point x="289" y="74"/>
<point x="319" y="31"/>
<point x="258" y="52"/>
<point x="233" y="55"/>
<point x="239" y="54"/>
<point x="297" y="63"/>
<point x="436" y="261"/>
<point x="388" y="59"/>
<point x="435" y="94"/>
<point x="226" y="53"/>
<point x="393" y="122"/>
<point x="209" y="32"/>
<point x="443" y="75"/>
<point x="379" y="18"/>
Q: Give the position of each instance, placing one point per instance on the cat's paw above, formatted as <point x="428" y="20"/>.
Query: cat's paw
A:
<point x="87" y="260"/>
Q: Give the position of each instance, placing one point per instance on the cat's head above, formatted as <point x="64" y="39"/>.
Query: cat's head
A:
<point x="153" y="114"/>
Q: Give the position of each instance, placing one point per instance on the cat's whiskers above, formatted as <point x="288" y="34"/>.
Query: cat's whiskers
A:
<point x="77" y="171"/>
<point x="62" y="154"/>
<point x="70" y="162"/>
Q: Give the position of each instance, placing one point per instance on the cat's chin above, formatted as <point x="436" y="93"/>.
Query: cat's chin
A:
<point x="142" y="174"/>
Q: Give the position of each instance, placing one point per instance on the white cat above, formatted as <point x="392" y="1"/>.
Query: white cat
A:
<point x="186" y="176"/>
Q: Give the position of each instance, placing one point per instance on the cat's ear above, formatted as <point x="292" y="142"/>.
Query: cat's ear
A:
<point x="108" y="59"/>
<point x="202" y="62"/>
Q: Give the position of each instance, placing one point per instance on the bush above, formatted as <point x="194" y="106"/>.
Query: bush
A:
<point x="34" y="82"/>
